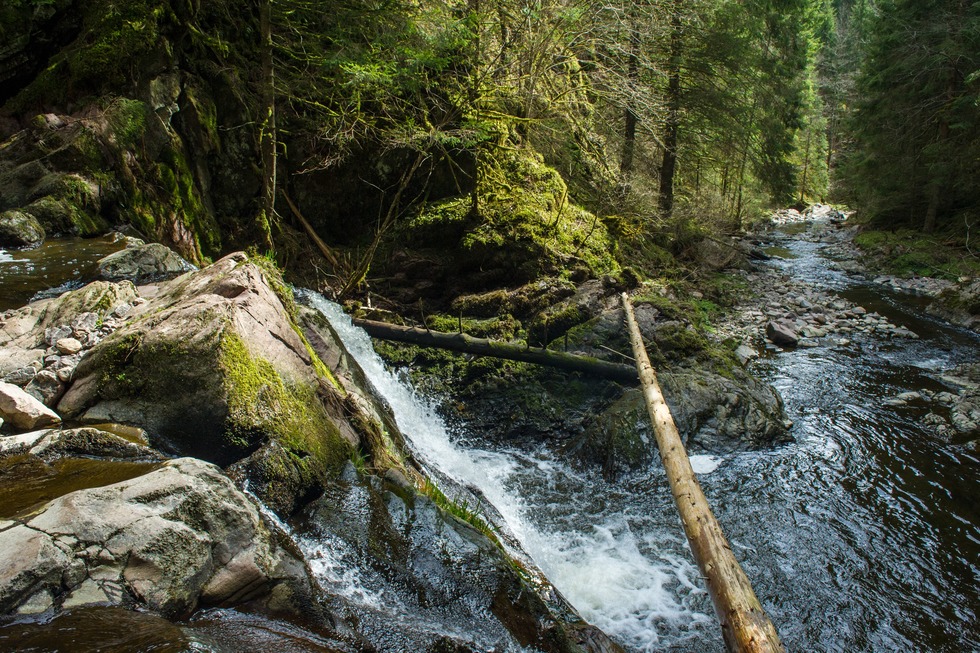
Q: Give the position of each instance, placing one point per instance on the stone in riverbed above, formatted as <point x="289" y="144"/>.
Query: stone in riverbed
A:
<point x="745" y="353"/>
<point x="46" y="387"/>
<point x="20" y="229"/>
<point x="21" y="376"/>
<point x="143" y="263"/>
<point x="23" y="411"/>
<point x="68" y="346"/>
<point x="781" y="335"/>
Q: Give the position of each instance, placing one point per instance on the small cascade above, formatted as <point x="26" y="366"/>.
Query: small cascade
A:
<point x="613" y="563"/>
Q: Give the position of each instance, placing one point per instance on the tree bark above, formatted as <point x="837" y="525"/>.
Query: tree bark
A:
<point x="631" y="119"/>
<point x="484" y="347"/>
<point x="669" y="162"/>
<point x="267" y="133"/>
<point x="744" y="624"/>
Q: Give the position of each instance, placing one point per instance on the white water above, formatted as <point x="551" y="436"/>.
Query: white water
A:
<point x="617" y="570"/>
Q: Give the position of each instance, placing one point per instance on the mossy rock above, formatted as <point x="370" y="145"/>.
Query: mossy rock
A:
<point x="20" y="229"/>
<point x="214" y="367"/>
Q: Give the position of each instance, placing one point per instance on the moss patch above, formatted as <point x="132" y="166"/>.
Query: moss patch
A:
<point x="523" y="227"/>
<point x="259" y="401"/>
<point x="908" y="253"/>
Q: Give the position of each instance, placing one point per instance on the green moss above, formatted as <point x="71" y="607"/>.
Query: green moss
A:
<point x="504" y="327"/>
<point x="460" y="509"/>
<point x="127" y="118"/>
<point x="524" y="226"/>
<point x="259" y="400"/>
<point x="549" y="325"/>
<point x="908" y="253"/>
<point x="116" y="38"/>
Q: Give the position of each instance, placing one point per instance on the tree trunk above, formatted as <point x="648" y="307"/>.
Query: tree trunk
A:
<point x="744" y="624"/>
<point x="267" y="129"/>
<point x="669" y="163"/>
<point x="806" y="166"/>
<point x="633" y="80"/>
<point x="484" y="347"/>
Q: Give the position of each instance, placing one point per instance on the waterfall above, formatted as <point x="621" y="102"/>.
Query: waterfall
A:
<point x="620" y="567"/>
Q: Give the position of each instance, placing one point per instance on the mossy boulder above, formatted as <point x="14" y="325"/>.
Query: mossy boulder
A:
<point x="214" y="366"/>
<point x="20" y="229"/>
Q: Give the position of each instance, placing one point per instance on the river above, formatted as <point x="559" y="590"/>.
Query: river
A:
<point x="862" y="535"/>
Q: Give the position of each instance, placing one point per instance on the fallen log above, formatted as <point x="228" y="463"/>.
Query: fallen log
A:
<point x="744" y="624"/>
<point x="483" y="347"/>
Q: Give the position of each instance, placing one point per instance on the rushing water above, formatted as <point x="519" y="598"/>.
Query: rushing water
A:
<point x="862" y="535"/>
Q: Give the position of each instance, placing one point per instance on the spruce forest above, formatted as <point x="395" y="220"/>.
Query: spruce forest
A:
<point x="568" y="128"/>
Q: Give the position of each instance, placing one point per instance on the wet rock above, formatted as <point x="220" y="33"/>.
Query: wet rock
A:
<point x="24" y="411"/>
<point x="781" y="335"/>
<point x="142" y="264"/>
<point x="175" y="538"/>
<point x="20" y="229"/>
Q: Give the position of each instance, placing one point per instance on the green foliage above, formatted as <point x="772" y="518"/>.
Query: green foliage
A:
<point x="907" y="252"/>
<point x="915" y="126"/>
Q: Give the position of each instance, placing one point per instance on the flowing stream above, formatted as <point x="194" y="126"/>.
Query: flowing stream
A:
<point x="862" y="535"/>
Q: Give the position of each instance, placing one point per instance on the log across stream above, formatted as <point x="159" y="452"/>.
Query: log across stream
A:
<point x="861" y="536"/>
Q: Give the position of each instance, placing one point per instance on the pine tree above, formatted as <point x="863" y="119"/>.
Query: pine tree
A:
<point x="916" y="127"/>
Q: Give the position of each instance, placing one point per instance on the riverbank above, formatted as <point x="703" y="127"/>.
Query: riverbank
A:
<point x="801" y="304"/>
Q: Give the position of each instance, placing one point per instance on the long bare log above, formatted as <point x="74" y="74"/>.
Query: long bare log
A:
<point x="744" y="624"/>
<point x="484" y="347"/>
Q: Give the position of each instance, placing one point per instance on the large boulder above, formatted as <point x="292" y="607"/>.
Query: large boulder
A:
<point x="173" y="539"/>
<point x="213" y="366"/>
<point x="20" y="229"/>
<point x="143" y="263"/>
<point x="712" y="412"/>
<point x="23" y="411"/>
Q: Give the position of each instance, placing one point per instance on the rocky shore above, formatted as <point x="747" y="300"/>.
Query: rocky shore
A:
<point x="786" y="312"/>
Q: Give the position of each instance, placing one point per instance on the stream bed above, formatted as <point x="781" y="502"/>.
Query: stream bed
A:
<point x="862" y="535"/>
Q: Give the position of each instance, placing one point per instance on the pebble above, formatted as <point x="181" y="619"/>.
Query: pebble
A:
<point x="68" y="346"/>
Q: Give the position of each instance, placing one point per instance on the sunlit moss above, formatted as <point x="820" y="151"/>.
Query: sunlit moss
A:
<point x="259" y="400"/>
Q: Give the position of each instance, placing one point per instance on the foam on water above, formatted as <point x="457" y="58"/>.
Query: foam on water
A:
<point x="704" y="464"/>
<point x="613" y="571"/>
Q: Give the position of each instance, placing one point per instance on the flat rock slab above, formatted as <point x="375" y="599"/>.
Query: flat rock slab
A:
<point x="170" y="539"/>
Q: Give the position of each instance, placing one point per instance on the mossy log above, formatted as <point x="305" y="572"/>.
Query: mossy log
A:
<point x="745" y="626"/>
<point x="485" y="347"/>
